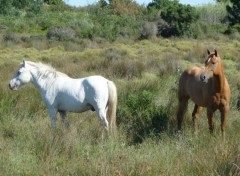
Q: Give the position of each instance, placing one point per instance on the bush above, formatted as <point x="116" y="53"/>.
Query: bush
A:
<point x="61" y="34"/>
<point x="148" y="30"/>
<point x="11" y="37"/>
<point x="141" y="117"/>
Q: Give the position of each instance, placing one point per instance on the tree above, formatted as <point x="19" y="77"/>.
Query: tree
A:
<point x="124" y="7"/>
<point x="5" y="7"/>
<point x="20" y="4"/>
<point x="159" y="4"/>
<point x="178" y="16"/>
<point x="102" y="3"/>
<point x="53" y="2"/>
<point x="234" y="12"/>
<point x="224" y="1"/>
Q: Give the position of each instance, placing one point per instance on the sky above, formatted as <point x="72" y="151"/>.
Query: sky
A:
<point x="79" y="3"/>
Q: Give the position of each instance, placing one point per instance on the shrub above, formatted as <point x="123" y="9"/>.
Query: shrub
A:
<point x="11" y="37"/>
<point x="148" y="30"/>
<point x="61" y="34"/>
<point x="141" y="117"/>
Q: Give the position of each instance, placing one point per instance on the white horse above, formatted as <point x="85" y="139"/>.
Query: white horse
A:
<point x="61" y="93"/>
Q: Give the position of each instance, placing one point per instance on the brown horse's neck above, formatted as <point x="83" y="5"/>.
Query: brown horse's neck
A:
<point x="219" y="82"/>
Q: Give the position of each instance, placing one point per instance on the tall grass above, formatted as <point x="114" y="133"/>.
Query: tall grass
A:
<point x="146" y="143"/>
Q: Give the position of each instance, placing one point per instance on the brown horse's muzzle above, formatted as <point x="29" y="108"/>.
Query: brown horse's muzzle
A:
<point x="203" y="78"/>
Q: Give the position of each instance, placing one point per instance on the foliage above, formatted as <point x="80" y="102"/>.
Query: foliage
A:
<point x="142" y="116"/>
<point x="5" y="7"/>
<point x="110" y="25"/>
<point x="148" y="30"/>
<point x="224" y="1"/>
<point x="20" y="4"/>
<point x="61" y="34"/>
<point x="178" y="16"/>
<point x="212" y="21"/>
<point x="116" y="19"/>
<point x="124" y="7"/>
<point x="11" y="7"/>
<point x="212" y="13"/>
<point x="53" y="2"/>
<point x="234" y="13"/>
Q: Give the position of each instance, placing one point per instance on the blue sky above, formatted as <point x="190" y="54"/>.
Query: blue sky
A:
<point x="78" y="3"/>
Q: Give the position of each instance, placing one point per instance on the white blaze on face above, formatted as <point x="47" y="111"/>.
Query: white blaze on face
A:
<point x="209" y="59"/>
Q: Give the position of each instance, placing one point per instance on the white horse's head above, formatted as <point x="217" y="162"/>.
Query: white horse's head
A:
<point x="21" y="77"/>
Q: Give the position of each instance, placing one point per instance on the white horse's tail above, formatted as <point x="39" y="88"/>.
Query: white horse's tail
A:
<point x="112" y="105"/>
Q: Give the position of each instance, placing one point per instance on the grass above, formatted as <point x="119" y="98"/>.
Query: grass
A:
<point x="30" y="147"/>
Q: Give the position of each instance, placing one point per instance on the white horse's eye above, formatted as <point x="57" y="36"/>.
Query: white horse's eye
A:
<point x="19" y="73"/>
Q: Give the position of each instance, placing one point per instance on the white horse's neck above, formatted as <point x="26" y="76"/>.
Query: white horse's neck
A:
<point x="43" y="76"/>
<point x="41" y="82"/>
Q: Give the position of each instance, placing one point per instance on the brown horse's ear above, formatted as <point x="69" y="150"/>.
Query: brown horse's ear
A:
<point x="215" y="52"/>
<point x="208" y="51"/>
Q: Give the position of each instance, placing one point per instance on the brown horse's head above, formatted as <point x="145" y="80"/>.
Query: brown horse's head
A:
<point x="213" y="66"/>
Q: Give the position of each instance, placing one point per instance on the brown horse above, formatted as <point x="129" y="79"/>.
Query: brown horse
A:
<point x="206" y="87"/>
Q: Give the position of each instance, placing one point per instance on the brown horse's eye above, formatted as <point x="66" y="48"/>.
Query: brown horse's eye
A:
<point x="213" y="63"/>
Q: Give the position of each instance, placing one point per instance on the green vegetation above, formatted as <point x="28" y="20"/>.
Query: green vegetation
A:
<point x="234" y="15"/>
<point x="178" y="16"/>
<point x="103" y="39"/>
<point x="111" y="20"/>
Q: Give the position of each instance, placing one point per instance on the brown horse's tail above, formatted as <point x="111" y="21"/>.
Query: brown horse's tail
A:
<point x="112" y="105"/>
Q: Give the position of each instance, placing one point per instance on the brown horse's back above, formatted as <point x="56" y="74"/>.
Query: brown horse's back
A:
<point x="190" y="86"/>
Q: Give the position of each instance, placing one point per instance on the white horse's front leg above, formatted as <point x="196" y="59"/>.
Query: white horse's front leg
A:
<point x="53" y="114"/>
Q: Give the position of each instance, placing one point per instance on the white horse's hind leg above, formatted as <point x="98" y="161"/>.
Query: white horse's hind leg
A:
<point x="102" y="115"/>
<point x="63" y="115"/>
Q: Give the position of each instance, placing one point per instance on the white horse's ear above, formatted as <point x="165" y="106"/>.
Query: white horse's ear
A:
<point x="24" y="63"/>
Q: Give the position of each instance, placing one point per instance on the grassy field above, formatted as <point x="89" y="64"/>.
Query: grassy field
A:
<point x="28" y="145"/>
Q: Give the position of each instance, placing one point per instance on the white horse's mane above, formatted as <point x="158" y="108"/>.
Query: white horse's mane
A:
<point x="44" y="70"/>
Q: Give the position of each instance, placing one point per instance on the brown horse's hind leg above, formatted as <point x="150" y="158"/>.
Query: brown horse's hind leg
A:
<point x="181" y="110"/>
<point x="197" y="109"/>
<point x="210" y="119"/>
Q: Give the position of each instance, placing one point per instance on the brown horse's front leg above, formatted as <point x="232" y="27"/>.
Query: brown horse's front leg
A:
<point x="210" y="119"/>
<point x="197" y="109"/>
<point x="223" y="121"/>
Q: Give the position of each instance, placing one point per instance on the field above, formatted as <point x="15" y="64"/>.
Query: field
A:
<point x="146" y="74"/>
